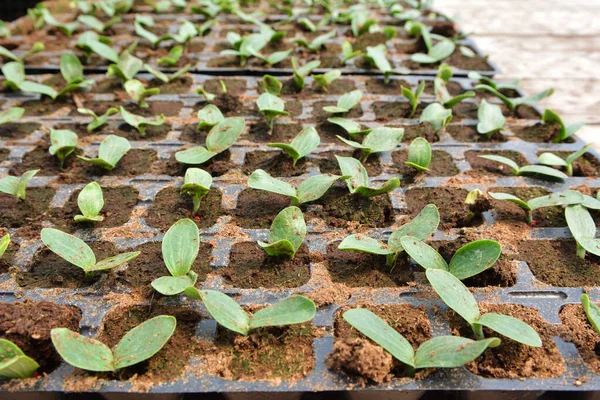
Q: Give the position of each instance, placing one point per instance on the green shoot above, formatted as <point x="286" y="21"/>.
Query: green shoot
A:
<point x="136" y="90"/>
<point x="512" y="85"/>
<point x="345" y="103"/>
<point x="90" y="202"/>
<point x="513" y="103"/>
<point x="528" y="169"/>
<point x="126" y="68"/>
<point x="4" y="242"/>
<point x="591" y="311"/>
<point x="413" y="97"/>
<point x="437" y="116"/>
<point x="419" y="154"/>
<point x="272" y="85"/>
<point x="352" y="128"/>
<point x="287" y="233"/>
<point x="63" y="143"/>
<point x="139" y="122"/>
<point x="209" y="116"/>
<point x="358" y="181"/>
<point x="11" y="115"/>
<point x="14" y="364"/>
<point x="555" y="161"/>
<point x="111" y="150"/>
<point x="196" y="183"/>
<point x="96" y="24"/>
<point x="436" y="53"/>
<point x="306" y="141"/>
<point x="377" y="55"/>
<point x="378" y="140"/>
<point x="37" y="47"/>
<point x="348" y="52"/>
<point x="90" y="42"/>
<point x="172" y="58"/>
<point x="490" y="118"/>
<point x="161" y="76"/>
<point x="97" y="121"/>
<point x="271" y="107"/>
<point x="324" y="80"/>
<point x="444" y="97"/>
<point x="221" y="137"/>
<point x="14" y="79"/>
<point x="317" y="43"/>
<point x="566" y="130"/>
<point x="301" y="72"/>
<point x="16" y="186"/>
<point x="582" y="227"/>
<point x="72" y="72"/>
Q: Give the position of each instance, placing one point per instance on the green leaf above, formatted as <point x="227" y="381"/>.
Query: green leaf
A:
<point x="304" y="143"/>
<point x="419" y="154"/>
<point x="383" y="139"/>
<point x="324" y="80"/>
<point x="345" y="103"/>
<point x="575" y="155"/>
<point x="454" y="293"/>
<point x="261" y="180"/>
<point x="381" y="333"/>
<point x="551" y="159"/>
<point x="111" y="150"/>
<point x="180" y="247"/>
<point x="436" y="115"/>
<point x="423" y="254"/>
<point x="474" y="258"/>
<point x="510" y="197"/>
<point x="420" y="227"/>
<point x="271" y="105"/>
<point x="63" y="143"/>
<point x="195" y="155"/>
<point x="126" y="68"/>
<point x="389" y="186"/>
<point x="563" y="198"/>
<point x="4" y="242"/>
<point x="591" y="311"/>
<point x="378" y="56"/>
<point x="360" y="242"/>
<point x="542" y="170"/>
<point x="353" y="128"/>
<point x="90" y="202"/>
<point x="503" y="160"/>
<point x="10" y="115"/>
<point x="292" y="310"/>
<point x="451" y="351"/>
<point x="139" y="122"/>
<point x="512" y="328"/>
<point x="82" y="351"/>
<point x="580" y="222"/>
<point x="301" y="72"/>
<point x="272" y="85"/>
<point x="14" y="364"/>
<point x="209" y="116"/>
<point x="225" y="311"/>
<point x="114" y="261"/>
<point x="197" y="184"/>
<point x="314" y="188"/>
<point x="136" y="90"/>
<point x="357" y="172"/>
<point x="172" y="285"/>
<point x="438" y="52"/>
<point x="144" y="341"/>
<point x="69" y="247"/>
<point x="70" y="68"/>
<point x="98" y="121"/>
<point x="490" y="118"/>
<point x="224" y="134"/>
<point x="287" y="227"/>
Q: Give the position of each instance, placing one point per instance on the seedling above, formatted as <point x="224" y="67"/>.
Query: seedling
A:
<point x="439" y="352"/>
<point x="96" y="24"/>
<point x="272" y="85"/>
<point x="436" y="53"/>
<point x="139" y="344"/>
<point x="209" y="116"/>
<point x="126" y="67"/>
<point x="444" y="97"/>
<point x="136" y="90"/>
<point x="287" y="233"/>
<point x="317" y="43"/>
<point x="301" y="72"/>
<point x="4" y="30"/>
<point x="11" y="115"/>
<point x="16" y="185"/>
<point x="511" y="85"/>
<point x="437" y="116"/>
<point x="72" y="72"/>
<point x="419" y="154"/>
<point x="63" y="143"/>
<point x="358" y="182"/>
<point x="139" y="122"/>
<point x="416" y="29"/>
<point x="421" y="226"/>
<point x="324" y="80"/>
<point x="37" y="47"/>
<point x="528" y="169"/>
<point x="306" y="141"/>
<point x="197" y="184"/>
<point x="90" y="42"/>
<point x="146" y="34"/>
<point x="413" y="97"/>
<point x="186" y="32"/>
<point x="359" y="20"/>
<point x="513" y="103"/>
<point x="555" y="161"/>
<point x="167" y="78"/>
<point x="90" y="202"/>
<point x="66" y="28"/>
<point x="348" y="52"/>
<point x="220" y="138"/>
<point x="377" y="55"/>
<point x="110" y="152"/>
<point x="14" y="79"/>
<point x="97" y="121"/>
<point x="311" y="189"/>
<point x="380" y="139"/>
<point x="456" y="296"/>
<point x="4" y="242"/>
<point x="490" y="118"/>
<point x="14" y="364"/>
<point x="250" y="46"/>
<point x="352" y="128"/>
<point x="172" y="58"/>
<point x="582" y="227"/>
<point x="591" y="311"/>
<point x="566" y="130"/>
<point x="77" y="252"/>
<point x="271" y="107"/>
<point x="306" y="24"/>
<point x="207" y="95"/>
<point x="345" y="103"/>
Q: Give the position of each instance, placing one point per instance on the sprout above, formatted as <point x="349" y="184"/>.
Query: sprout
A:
<point x="317" y="43"/>
<point x="272" y="85"/>
<point x="306" y="141"/>
<point x="271" y="107"/>
<point x="37" y="47"/>
<point x="97" y="121"/>
<point x="436" y="53"/>
<point x="582" y="227"/>
<point x="14" y="79"/>
<point x="591" y="311"/>
<point x="352" y="128"/>
<point x="4" y="30"/>
<point x="90" y="42"/>
<point x="416" y="29"/>
<point x="186" y="32"/>
<point x="490" y="118"/>
<point x="555" y="161"/>
<point x="419" y="154"/>
<point x="413" y="97"/>
<point x="221" y="137"/>
<point x="528" y="169"/>
<point x="345" y="103"/>
<point x="324" y="80"/>
<point x="437" y="116"/>
<point x="139" y="122"/>
<point x="77" y="252"/>
<point x="359" y="20"/>
<point x="96" y="24"/>
<point x="456" y="296"/>
<point x="348" y="52"/>
<point x="16" y="186"/>
<point x="126" y="67"/>
<point x="11" y="115"/>
<point x="66" y="28"/>
<point x="377" y="55"/>
<point x="209" y="116"/>
<point x="513" y="103"/>
<point x="90" y="202"/>
<point x="307" y="24"/>
<point x="146" y="34"/>
<point x="139" y="344"/>
<point x="167" y="78"/>
<point x="208" y="96"/>
<point x="287" y="233"/>
<point x="111" y="150"/>
<point x="63" y="143"/>
<point x="136" y="90"/>
<point x="172" y="58"/>
<point x="512" y="85"/>
<point x="14" y="364"/>
<point x="443" y="96"/>
<point x="72" y="72"/>
<point x="566" y="130"/>
<point x="251" y="45"/>
<point x="358" y="182"/>
<point x="378" y="140"/>
<point x="301" y="72"/>
<point x="197" y="184"/>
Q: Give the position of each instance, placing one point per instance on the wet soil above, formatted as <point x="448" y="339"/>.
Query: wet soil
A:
<point x="7" y="260"/>
<point x="469" y="134"/>
<point x="4" y="154"/>
<point x="234" y="87"/>
<point x="319" y="114"/>
<point x="256" y="209"/>
<point x="276" y="163"/>
<point x="393" y="87"/>
<point x="155" y="107"/>
<point x="424" y="130"/>
<point x="441" y="165"/>
<point x="26" y="214"/>
<point x="483" y="167"/>
<point x="282" y="132"/>
<point x="45" y="106"/>
<point x="578" y="330"/>
<point x="391" y="110"/>
<point x="538" y="133"/>
<point x="18" y="130"/>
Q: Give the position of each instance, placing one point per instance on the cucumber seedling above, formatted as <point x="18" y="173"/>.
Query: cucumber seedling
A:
<point x="96" y="24"/>
<point x="14" y="364"/>
<point x="272" y="85"/>
<point x="582" y="227"/>
<point x="4" y="243"/>
<point x="172" y="57"/>
<point x="348" y="52"/>
<point x="250" y="46"/>
<point x="500" y="86"/>
<point x="437" y="52"/>
<point x="553" y="160"/>
<point x="11" y="115"/>
<point x="126" y="67"/>
<point x="419" y="154"/>
<point x="380" y="139"/>
<point x="90" y="42"/>
<point x="161" y="76"/>
<point x="444" y="97"/>
<point x="287" y="233"/>
<point x="90" y="202"/>
<point x="14" y="80"/>
<point x="490" y="118"/>
<point x="41" y="12"/>
<point x="326" y="79"/>
<point x="221" y="137"/>
<point x="17" y="185"/>
<point x="72" y="72"/>
<point x="37" y="47"/>
<point x="317" y="42"/>
<point x="413" y="97"/>
<point x="437" y="116"/>
<point x="352" y="128"/>
<point x="139" y="122"/>
<point x="301" y="72"/>
<point x="110" y="152"/>
<point x="138" y="93"/>
<point x="63" y="142"/>
<point x="271" y="107"/>
<point x="358" y="179"/>
<point x="513" y="103"/>
<point x="306" y="141"/>
<point x="566" y="130"/>
<point x="345" y="103"/>
<point x="209" y="116"/>
<point x="97" y="121"/>
<point x="527" y="169"/>
<point x="377" y="56"/>
<point x="196" y="183"/>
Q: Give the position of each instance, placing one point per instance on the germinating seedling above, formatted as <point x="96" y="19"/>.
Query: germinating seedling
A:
<point x="566" y="130"/>
<point x="377" y="55"/>
<point x="345" y="103"/>
<point x="196" y="183"/>
<point x="437" y="52"/>
<point x="111" y="150"/>
<point x="582" y="227"/>
<point x="445" y="98"/>
<point x="90" y="202"/>
<point x="126" y="68"/>
<point x="287" y="233"/>
<point x="456" y="296"/>
<point x="63" y="142"/>
<point x="352" y="128"/>
<point x="301" y="72"/>
<point x="306" y="141"/>
<point x="77" y="252"/>
<point x="96" y="24"/>
<point x="326" y="79"/>
<point x="139" y="344"/>
<point x="14" y="79"/>
<point x="317" y="43"/>
<point x="272" y="85"/>
<point x="358" y="181"/>
<point x="413" y="97"/>
<point x="142" y="32"/>
<point x="380" y="139"/>
<point x="555" y="161"/>
<point x="591" y="311"/>
<point x="72" y="72"/>
<point x="136" y="90"/>
<point x="348" y="52"/>
<point x="4" y="242"/>
<point x="97" y="120"/>
<point x="437" y="116"/>
<point x="37" y="47"/>
<point x="16" y="185"/>
<point x="11" y="115"/>
<point x="511" y="85"/>
<point x="490" y="118"/>
<point x="66" y="28"/>
<point x="207" y="95"/>
<point x="439" y="352"/>
<point x="14" y="364"/>
<point x="419" y="154"/>
<point x="416" y="29"/>
<point x="90" y="42"/>
<point x="271" y="107"/>
<point x="420" y="227"/>
<point x="528" y="169"/>
<point x="139" y="122"/>
<point x="220" y="138"/>
<point x="513" y="103"/>
<point x="161" y="76"/>
<point x="311" y="189"/>
<point x="209" y="116"/>
<point x="251" y="45"/>
<point x="172" y="58"/>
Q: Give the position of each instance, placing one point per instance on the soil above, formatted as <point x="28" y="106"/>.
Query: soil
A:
<point x="469" y="134"/>
<point x="483" y="167"/>
<point x="45" y="106"/>
<point x="28" y="325"/>
<point x="538" y="133"/>
<point x="441" y="165"/>
<point x="276" y="163"/>
<point x="424" y="130"/>
<point x="328" y="164"/>
<point x="153" y="133"/>
<point x="282" y="133"/>
<point x="358" y="269"/>
<point x="509" y="211"/>
<point x="362" y="359"/>
<point x="18" y="130"/>
<point x="513" y="360"/>
<point x="454" y="88"/>
<point x="391" y="110"/>
<point x="81" y="129"/>
<point x="250" y="267"/>
<point x="393" y="87"/>
<point x="235" y="87"/>
<point x="136" y="162"/>
<point x="256" y="209"/>
<point x="329" y="132"/>
<point x="4" y="154"/>
<point x="554" y="262"/>
<point x="181" y="85"/>
<point x="578" y="330"/>
<point x="26" y="214"/>
<point x="586" y="165"/>
<point x="216" y="166"/>
<point x="190" y="134"/>
<point x="454" y="212"/>
<point x="48" y="270"/>
<point x="48" y="165"/>
<point x="7" y="260"/>
<point x="170" y="205"/>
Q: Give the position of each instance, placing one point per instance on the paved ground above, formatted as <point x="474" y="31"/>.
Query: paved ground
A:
<point x="550" y="43"/>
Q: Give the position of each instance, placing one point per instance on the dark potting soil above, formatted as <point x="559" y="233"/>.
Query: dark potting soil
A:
<point x="216" y="166"/>
<point x="454" y="88"/>
<point x="424" y="130"/>
<point x="28" y="325"/>
<point x="328" y="164"/>
<point x="587" y="165"/>
<point x="81" y="129"/>
<point x="7" y="260"/>
<point x="191" y="134"/>
<point x="441" y="165"/>
<point x="230" y="106"/>
<point x="256" y="209"/>
<point x="26" y="214"/>
<point x="45" y="106"/>
<point x="18" y="130"/>
<point x="390" y="110"/>
<point x="339" y="86"/>
<point x="578" y="330"/>
<point x="281" y="133"/>
<point x="555" y="263"/>
<point x="276" y="163"/>
<point x="358" y="269"/>
<point x="4" y="154"/>
<point x="393" y="87"/>
<point x="509" y="211"/>
<point x="251" y="267"/>
<point x="48" y="165"/>
<point x="181" y="85"/>
<point x="482" y="167"/>
<point x="539" y="132"/>
<point x="368" y="39"/>
<point x="513" y="360"/>
<point x="170" y="205"/>
<point x="48" y="270"/>
<point x="469" y="134"/>
<point x="454" y="212"/>
<point x="235" y="87"/>
<point x="150" y="133"/>
<point x="136" y="162"/>
<point x="521" y="112"/>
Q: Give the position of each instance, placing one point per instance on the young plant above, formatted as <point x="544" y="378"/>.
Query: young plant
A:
<point x="566" y="130"/>
<point x="591" y="311"/>
<point x="63" y="143"/>
<point x="345" y="103"/>
<point x="317" y="43"/>
<point x="324" y="80"/>
<point x="484" y="80"/>
<point x="16" y="186"/>
<point x="167" y="78"/>
<point x="490" y="118"/>
<point x="311" y="189"/>
<point x="186" y="32"/>
<point x="139" y="344"/>
<point x="220" y="138"/>
<point x="139" y="122"/>
<point x="306" y="141"/>
<point x="272" y="85"/>
<point x="444" y="97"/>
<point x="513" y="103"/>
<point x="250" y="46"/>
<point x="271" y="107"/>
<point x="348" y="52"/>
<point x="172" y="58"/>
<point x="437" y="116"/>
<point x="126" y="68"/>
<point x="97" y="121"/>
<point x="90" y="202"/>
<point x="419" y="154"/>
<point x="77" y="252"/>
<point x="37" y="47"/>
<point x="136" y="90"/>
<point x="90" y="42"/>
<point x="209" y="116"/>
<point x="528" y="169"/>
<point x="352" y="128"/>
<point x="416" y="29"/>
<point x="380" y="139"/>
<point x="413" y="97"/>
<point x="287" y="233"/>
<point x="436" y="53"/>
<point x="14" y="364"/>
<point x="582" y="227"/>
<point x="4" y="242"/>
<point x="438" y="352"/>
<point x="358" y="181"/>
<point x="196" y="183"/>
<point x="72" y="72"/>
<point x="11" y="115"/>
<point x="96" y="24"/>
<point x="110" y="152"/>
<point x="377" y="55"/>
<point x="419" y="228"/>
<point x="301" y="72"/>
<point x="457" y="297"/>
<point x="14" y="79"/>
<point x="66" y="28"/>
<point x="555" y="161"/>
